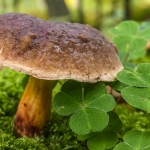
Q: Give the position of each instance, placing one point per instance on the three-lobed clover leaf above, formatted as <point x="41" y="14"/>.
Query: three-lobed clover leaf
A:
<point x="130" y="38"/>
<point x="89" y="104"/>
<point x="138" y="92"/>
<point x="135" y="140"/>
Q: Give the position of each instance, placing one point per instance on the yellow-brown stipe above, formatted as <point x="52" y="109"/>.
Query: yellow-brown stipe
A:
<point x="34" y="108"/>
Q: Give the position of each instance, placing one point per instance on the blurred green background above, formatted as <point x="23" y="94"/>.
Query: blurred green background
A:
<point x="101" y="14"/>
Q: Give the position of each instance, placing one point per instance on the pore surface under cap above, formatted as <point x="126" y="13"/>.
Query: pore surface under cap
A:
<point x="55" y="50"/>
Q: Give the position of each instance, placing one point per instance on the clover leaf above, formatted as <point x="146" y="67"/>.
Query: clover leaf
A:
<point x="130" y="38"/>
<point x="129" y="44"/>
<point x="145" y="25"/>
<point x="88" y="120"/>
<point x="140" y="77"/>
<point x="87" y="102"/>
<point x="145" y="33"/>
<point x="135" y="139"/>
<point x="137" y="97"/>
<point x="107" y="138"/>
<point x="138" y="93"/>
<point x="103" y="140"/>
<point x="115" y="123"/>
<point x="125" y="28"/>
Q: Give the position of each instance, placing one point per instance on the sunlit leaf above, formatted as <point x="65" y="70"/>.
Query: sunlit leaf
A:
<point x="137" y="54"/>
<point x="130" y="38"/>
<point x="145" y="33"/>
<point x="123" y="42"/>
<point x="144" y="25"/>
<point x="125" y="28"/>
<point x="129" y="44"/>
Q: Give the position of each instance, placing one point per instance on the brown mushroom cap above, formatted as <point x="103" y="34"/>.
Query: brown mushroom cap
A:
<point x="56" y="50"/>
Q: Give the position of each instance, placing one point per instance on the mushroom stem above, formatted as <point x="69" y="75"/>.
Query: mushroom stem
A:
<point x="34" y="108"/>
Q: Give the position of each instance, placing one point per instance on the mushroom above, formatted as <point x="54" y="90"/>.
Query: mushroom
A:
<point x="48" y="51"/>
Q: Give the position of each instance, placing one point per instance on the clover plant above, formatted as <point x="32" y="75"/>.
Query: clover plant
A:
<point x="88" y="103"/>
<point x="130" y="39"/>
<point x="92" y="110"/>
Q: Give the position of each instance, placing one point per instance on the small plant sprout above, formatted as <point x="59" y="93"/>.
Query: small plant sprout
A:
<point x="50" y="51"/>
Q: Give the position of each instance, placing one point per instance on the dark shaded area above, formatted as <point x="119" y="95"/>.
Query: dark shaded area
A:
<point x="127" y="10"/>
<point x="56" y="8"/>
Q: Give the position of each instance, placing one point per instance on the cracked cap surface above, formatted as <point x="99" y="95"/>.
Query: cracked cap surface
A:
<point x="56" y="50"/>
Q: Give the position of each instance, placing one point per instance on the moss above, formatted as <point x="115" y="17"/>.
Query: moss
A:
<point x="56" y="134"/>
<point x="132" y="118"/>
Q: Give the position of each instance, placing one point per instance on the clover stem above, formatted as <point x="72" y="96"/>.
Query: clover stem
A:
<point x="83" y="105"/>
<point x="34" y="108"/>
<point x="126" y="57"/>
